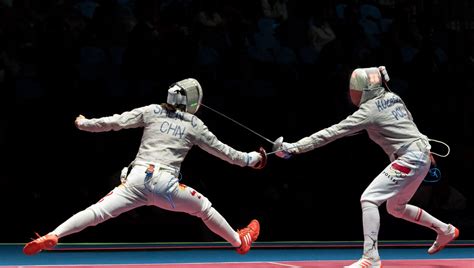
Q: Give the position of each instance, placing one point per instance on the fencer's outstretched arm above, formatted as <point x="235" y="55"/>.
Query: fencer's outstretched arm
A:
<point x="209" y="143"/>
<point x="355" y="122"/>
<point x="129" y="119"/>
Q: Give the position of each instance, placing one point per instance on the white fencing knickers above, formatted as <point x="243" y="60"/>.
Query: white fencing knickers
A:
<point x="151" y="185"/>
<point x="398" y="182"/>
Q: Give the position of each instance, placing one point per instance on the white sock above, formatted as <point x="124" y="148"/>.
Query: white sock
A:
<point x="371" y="225"/>
<point x="419" y="216"/>
<point x="216" y="223"/>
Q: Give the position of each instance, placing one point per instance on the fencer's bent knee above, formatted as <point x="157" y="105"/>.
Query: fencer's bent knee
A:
<point x="367" y="204"/>
<point x="205" y="213"/>
<point x="394" y="209"/>
<point x="100" y="214"/>
<point x="366" y="199"/>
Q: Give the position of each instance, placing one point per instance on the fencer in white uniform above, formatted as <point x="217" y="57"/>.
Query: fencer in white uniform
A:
<point x="388" y="123"/>
<point x="152" y="179"/>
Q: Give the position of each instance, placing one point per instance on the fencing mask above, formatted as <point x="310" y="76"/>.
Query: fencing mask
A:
<point x="186" y="92"/>
<point x="368" y="81"/>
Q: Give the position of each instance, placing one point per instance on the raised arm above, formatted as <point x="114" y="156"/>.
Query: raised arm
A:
<point x="129" y="119"/>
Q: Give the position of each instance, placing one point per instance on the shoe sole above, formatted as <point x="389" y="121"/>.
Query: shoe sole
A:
<point x="32" y="249"/>
<point x="381" y="266"/>
<point x="456" y="235"/>
<point x="35" y="248"/>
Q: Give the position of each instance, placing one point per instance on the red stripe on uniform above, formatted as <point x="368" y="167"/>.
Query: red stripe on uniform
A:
<point x="401" y="168"/>
<point x="418" y="215"/>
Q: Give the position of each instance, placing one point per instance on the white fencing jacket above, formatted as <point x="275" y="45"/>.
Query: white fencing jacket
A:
<point x="167" y="136"/>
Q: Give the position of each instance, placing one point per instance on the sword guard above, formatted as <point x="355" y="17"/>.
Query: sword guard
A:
<point x="277" y="144"/>
<point x="262" y="162"/>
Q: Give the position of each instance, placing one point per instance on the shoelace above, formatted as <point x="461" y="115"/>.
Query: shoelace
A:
<point x="247" y="230"/>
<point x="37" y="237"/>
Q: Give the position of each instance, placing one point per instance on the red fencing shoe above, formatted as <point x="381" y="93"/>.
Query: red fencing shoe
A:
<point x="248" y="235"/>
<point x="42" y="242"/>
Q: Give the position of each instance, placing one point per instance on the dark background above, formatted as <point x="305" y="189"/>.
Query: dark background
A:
<point x="280" y="73"/>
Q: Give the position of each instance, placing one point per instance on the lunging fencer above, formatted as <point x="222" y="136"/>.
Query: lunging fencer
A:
<point x="389" y="124"/>
<point x="152" y="179"/>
